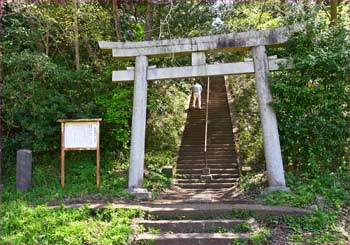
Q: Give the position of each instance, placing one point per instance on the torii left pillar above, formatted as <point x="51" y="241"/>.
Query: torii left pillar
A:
<point x="138" y="130"/>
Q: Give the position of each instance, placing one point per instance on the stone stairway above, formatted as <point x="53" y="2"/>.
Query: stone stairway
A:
<point x="179" y="226"/>
<point x="221" y="157"/>
<point x="205" y="223"/>
<point x="195" y="223"/>
<point x="201" y="216"/>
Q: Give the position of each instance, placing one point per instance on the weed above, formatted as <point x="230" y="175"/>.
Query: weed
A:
<point x="242" y="227"/>
<point x="261" y="236"/>
<point x="42" y="225"/>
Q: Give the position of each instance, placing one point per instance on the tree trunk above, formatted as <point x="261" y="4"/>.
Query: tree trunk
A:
<point x="47" y="40"/>
<point x="92" y="54"/>
<point x="76" y="35"/>
<point x="117" y="23"/>
<point x="149" y="20"/>
<point x="334" y="12"/>
<point x="1" y="86"/>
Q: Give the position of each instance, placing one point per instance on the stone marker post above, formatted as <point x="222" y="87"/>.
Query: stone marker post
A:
<point x="271" y="140"/>
<point x="23" y="170"/>
<point x="138" y="129"/>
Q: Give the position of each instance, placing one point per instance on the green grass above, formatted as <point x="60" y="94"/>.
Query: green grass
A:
<point x="320" y="227"/>
<point x="331" y="188"/>
<point x="22" y="224"/>
<point x="80" y="178"/>
<point x="26" y="218"/>
<point x="329" y="193"/>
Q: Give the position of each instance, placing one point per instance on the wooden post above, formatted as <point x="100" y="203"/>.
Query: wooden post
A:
<point x="62" y="154"/>
<point x="98" y="161"/>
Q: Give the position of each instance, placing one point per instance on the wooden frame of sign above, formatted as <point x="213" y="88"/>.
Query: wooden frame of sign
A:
<point x="80" y="135"/>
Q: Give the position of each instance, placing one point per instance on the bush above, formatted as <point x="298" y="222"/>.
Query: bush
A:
<point x="36" y="94"/>
<point x="250" y="135"/>
<point x="312" y="100"/>
<point x="117" y="112"/>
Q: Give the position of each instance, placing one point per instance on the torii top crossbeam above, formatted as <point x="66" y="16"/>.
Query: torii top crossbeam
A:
<point x="210" y="44"/>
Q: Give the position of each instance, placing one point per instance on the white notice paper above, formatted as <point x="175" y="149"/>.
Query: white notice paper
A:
<point x="81" y="134"/>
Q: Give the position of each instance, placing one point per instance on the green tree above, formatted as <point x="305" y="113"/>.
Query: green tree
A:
<point x="312" y="100"/>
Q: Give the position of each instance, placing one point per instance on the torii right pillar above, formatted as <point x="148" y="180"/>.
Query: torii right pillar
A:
<point x="272" y="147"/>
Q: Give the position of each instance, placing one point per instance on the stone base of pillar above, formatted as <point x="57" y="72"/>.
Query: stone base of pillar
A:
<point x="277" y="188"/>
<point x="140" y="193"/>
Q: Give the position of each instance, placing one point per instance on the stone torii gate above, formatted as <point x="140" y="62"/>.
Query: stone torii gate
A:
<point x="198" y="47"/>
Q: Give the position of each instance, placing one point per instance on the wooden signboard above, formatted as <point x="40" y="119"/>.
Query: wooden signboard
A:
<point x="79" y="135"/>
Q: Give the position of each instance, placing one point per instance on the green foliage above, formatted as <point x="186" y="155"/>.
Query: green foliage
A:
<point x="312" y="100"/>
<point x="250" y="135"/>
<point x="36" y="94"/>
<point x="156" y="180"/>
<point x="80" y="180"/>
<point x="252" y="182"/>
<point x="261" y="236"/>
<point x="242" y="227"/>
<point x="199" y="23"/>
<point x="117" y="107"/>
<point x="320" y="227"/>
<point x="332" y="187"/>
<point x="21" y="224"/>
<point x="166" y="105"/>
<point x="253" y="16"/>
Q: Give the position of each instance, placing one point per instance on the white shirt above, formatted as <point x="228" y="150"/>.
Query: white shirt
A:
<point x="197" y="88"/>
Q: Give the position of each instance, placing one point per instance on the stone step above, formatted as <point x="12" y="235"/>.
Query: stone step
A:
<point x="211" y="166"/>
<point x="188" y="226"/>
<point x="199" y="131"/>
<point x="200" y="142"/>
<point x="215" y="176"/>
<point x="212" y="171"/>
<point x="214" y="140"/>
<point x="198" y="153"/>
<point x="215" y="120"/>
<point x="196" y="150"/>
<point x="210" y="146"/>
<point x="205" y="185"/>
<point x="210" y="149"/>
<point x="218" y="151"/>
<point x="212" y="210"/>
<point x="200" y="158"/>
<point x="217" y="181"/>
<point x="210" y="135"/>
<point x="211" y="156"/>
<point x="210" y="160"/>
<point x="191" y="238"/>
